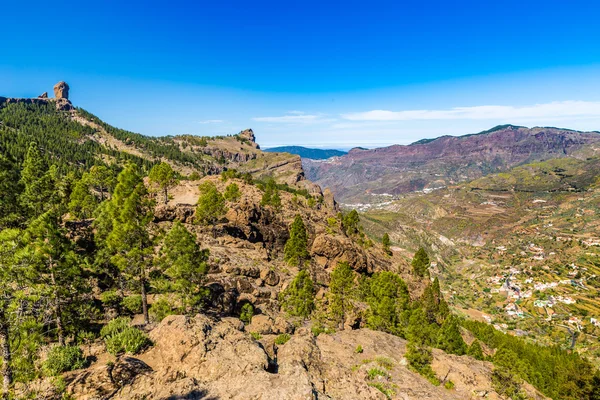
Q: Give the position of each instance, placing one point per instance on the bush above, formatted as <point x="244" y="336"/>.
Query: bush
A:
<point x="256" y="335"/>
<point x="247" y="313"/>
<point x="282" y="339"/>
<point x="376" y="372"/>
<point x="131" y="340"/>
<point x="62" y="359"/>
<point x="111" y="299"/>
<point x="160" y="310"/>
<point x="133" y="304"/>
<point x="114" y="327"/>
<point x="449" y="385"/>
<point x="358" y="349"/>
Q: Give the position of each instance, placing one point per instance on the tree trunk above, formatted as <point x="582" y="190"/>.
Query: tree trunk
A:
<point x="144" y="300"/>
<point x="166" y="196"/>
<point x="5" y="353"/>
<point x="57" y="310"/>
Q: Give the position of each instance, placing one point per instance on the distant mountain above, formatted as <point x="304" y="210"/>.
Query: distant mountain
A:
<point x="447" y="160"/>
<point x="305" y="152"/>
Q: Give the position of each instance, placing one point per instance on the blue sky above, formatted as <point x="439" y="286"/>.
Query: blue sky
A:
<point x="316" y="73"/>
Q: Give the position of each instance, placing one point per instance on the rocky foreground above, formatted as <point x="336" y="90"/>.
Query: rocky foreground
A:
<point x="203" y="358"/>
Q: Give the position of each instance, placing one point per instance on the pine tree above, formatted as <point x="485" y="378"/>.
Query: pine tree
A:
<point x="298" y="298"/>
<point x="449" y="338"/>
<point x="296" y="248"/>
<point x="37" y="182"/>
<point x="475" y="350"/>
<point x="123" y="225"/>
<point x="102" y="179"/>
<point x="82" y="202"/>
<point x="10" y="212"/>
<point x="419" y="330"/>
<point x="184" y="263"/>
<point x="211" y="205"/>
<point x="388" y="300"/>
<point x="340" y="292"/>
<point x="10" y="283"/>
<point x="163" y="177"/>
<point x="350" y="223"/>
<point x="433" y="302"/>
<point x="420" y="263"/>
<point x="232" y="192"/>
<point x="385" y="241"/>
<point x="54" y="267"/>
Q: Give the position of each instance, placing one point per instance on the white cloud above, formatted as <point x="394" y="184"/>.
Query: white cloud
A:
<point x="295" y="117"/>
<point x="211" y="121"/>
<point x="554" y="110"/>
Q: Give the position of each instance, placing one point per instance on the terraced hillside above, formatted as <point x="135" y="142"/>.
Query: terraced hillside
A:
<point x="520" y="250"/>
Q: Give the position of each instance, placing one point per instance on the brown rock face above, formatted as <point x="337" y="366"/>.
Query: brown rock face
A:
<point x="43" y="95"/>
<point x="61" y="90"/>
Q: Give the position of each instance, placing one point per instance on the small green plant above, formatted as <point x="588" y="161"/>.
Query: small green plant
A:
<point x="387" y="391"/>
<point x="62" y="359"/>
<point x="160" y="310"/>
<point x="449" y="385"/>
<point x="282" y="339"/>
<point x="358" y="349"/>
<point x="130" y="341"/>
<point x="132" y="304"/>
<point x="255" y="335"/>
<point x="318" y="329"/>
<point x="111" y="299"/>
<point x="384" y="362"/>
<point x="247" y="313"/>
<point x="114" y="327"/>
<point x="374" y="373"/>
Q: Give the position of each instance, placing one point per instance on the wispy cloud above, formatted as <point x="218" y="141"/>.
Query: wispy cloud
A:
<point x="296" y="117"/>
<point x="554" y="110"/>
<point x="211" y="121"/>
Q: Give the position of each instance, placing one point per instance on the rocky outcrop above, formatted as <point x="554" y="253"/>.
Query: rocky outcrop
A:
<point x="329" y="250"/>
<point x="43" y="95"/>
<point x="248" y="134"/>
<point x="203" y="358"/>
<point x="61" y="90"/>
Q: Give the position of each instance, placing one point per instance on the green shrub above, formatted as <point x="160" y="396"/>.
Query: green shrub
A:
<point x="161" y="309"/>
<point x="387" y="391"/>
<point x="247" y="313"/>
<point x="111" y="299"/>
<point x="376" y="372"/>
<point x="133" y="304"/>
<point x="62" y="359"/>
<point x="318" y="329"/>
<point x="358" y="349"/>
<point x="384" y="362"/>
<point x="449" y="385"/>
<point x="114" y="327"/>
<point x="256" y="335"/>
<point x="282" y="339"/>
<point x="131" y="341"/>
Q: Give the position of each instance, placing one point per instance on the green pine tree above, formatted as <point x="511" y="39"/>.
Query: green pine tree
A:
<point x="82" y="202"/>
<point x="232" y="192"/>
<point x="10" y="189"/>
<point x="102" y="179"/>
<point x="388" y="301"/>
<point x="211" y="205"/>
<point x="386" y="243"/>
<point x="420" y="263"/>
<point x="54" y="266"/>
<point x="37" y="182"/>
<point x="475" y="350"/>
<point x="350" y="223"/>
<point x="421" y="331"/>
<point x="124" y="224"/>
<point x="184" y="263"/>
<point x="163" y="178"/>
<point x="449" y="338"/>
<point x="296" y="247"/>
<point x="298" y="298"/>
<point x="341" y="288"/>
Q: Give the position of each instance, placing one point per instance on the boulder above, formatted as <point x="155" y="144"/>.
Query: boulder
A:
<point x="61" y="90"/>
<point x="270" y="277"/>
